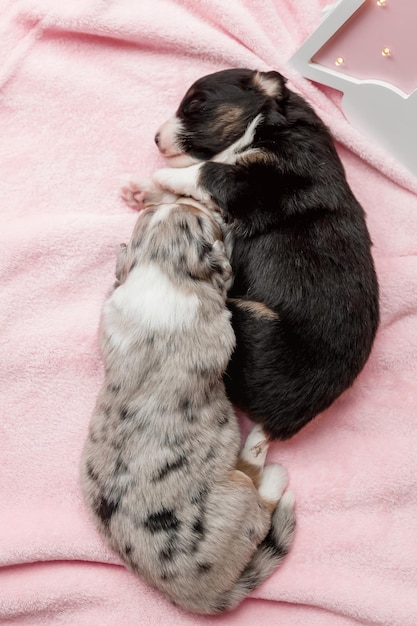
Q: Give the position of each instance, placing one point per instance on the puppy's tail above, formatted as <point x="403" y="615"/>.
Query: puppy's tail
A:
<point x="268" y="556"/>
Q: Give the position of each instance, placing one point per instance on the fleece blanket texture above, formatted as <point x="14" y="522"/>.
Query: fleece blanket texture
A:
<point x="84" y="84"/>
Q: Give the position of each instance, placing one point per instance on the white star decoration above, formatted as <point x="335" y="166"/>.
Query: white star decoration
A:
<point x="367" y="50"/>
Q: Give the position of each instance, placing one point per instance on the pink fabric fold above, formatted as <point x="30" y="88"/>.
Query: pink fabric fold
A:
<point x="84" y="84"/>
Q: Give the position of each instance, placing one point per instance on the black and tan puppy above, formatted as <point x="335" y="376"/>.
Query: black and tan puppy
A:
<point x="305" y="294"/>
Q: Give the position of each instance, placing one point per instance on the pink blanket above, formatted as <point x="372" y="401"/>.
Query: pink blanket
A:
<point x="83" y="86"/>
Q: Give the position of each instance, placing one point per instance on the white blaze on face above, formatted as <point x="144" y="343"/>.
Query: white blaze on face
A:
<point x="168" y="146"/>
<point x="168" y="134"/>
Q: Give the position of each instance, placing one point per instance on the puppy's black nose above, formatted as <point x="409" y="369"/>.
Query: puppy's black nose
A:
<point x="157" y="138"/>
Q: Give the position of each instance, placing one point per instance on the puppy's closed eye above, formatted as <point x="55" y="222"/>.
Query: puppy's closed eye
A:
<point x="193" y="105"/>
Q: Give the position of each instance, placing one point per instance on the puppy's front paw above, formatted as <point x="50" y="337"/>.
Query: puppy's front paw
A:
<point x="139" y="194"/>
<point x="133" y="195"/>
<point x="183" y="181"/>
<point x="166" y="179"/>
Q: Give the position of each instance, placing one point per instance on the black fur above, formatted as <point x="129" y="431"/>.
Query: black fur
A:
<point x="163" y="520"/>
<point x="181" y="462"/>
<point x="301" y="247"/>
<point x="106" y="509"/>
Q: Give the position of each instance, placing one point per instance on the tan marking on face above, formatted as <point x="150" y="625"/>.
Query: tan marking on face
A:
<point x="229" y="121"/>
<point x="258" y="309"/>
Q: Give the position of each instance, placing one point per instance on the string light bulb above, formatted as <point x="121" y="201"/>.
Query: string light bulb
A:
<point x="381" y="3"/>
<point x="386" y="52"/>
<point x="339" y="61"/>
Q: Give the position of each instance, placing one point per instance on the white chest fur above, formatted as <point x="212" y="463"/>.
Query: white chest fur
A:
<point x="149" y="300"/>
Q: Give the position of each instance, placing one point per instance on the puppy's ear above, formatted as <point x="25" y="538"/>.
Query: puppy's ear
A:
<point x="271" y="83"/>
<point x="121" y="260"/>
<point x="219" y="261"/>
<point x="210" y="262"/>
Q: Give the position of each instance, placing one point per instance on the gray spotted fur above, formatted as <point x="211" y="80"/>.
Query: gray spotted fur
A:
<point x="158" y="465"/>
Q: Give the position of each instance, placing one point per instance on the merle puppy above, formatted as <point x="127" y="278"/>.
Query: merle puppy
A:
<point x="305" y="294"/>
<point x="162" y="470"/>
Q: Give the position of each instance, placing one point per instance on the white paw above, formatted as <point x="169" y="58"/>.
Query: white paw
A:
<point x="182" y="181"/>
<point x="172" y="180"/>
<point x="273" y="482"/>
<point x="256" y="447"/>
<point x="166" y="178"/>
